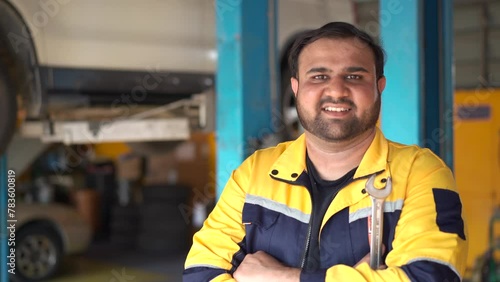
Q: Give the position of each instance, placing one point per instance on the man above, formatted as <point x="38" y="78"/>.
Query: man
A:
<point x="300" y="212"/>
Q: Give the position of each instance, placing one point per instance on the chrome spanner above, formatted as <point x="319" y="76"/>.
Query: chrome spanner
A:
<point x="378" y="197"/>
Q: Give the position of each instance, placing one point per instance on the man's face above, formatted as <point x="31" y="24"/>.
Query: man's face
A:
<point x="336" y="91"/>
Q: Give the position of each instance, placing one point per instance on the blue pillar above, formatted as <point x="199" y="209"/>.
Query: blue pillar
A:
<point x="417" y="105"/>
<point x="447" y="83"/>
<point x="401" y="29"/>
<point x="246" y="48"/>
<point x="3" y="218"/>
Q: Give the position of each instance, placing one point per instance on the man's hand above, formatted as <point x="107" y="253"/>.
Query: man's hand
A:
<point x="263" y="267"/>
<point x="367" y="260"/>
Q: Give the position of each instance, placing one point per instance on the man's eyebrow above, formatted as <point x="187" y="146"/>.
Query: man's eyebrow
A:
<point x="356" y="69"/>
<point x="318" y="69"/>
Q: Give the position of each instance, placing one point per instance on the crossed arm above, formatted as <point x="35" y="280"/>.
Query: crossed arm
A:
<point x="263" y="267"/>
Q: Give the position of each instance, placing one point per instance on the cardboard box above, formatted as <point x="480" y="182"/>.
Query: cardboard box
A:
<point x="198" y="147"/>
<point x="161" y="169"/>
<point x="195" y="175"/>
<point x="188" y="164"/>
<point x="130" y="167"/>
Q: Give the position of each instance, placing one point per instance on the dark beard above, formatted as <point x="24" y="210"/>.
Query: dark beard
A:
<point x="333" y="130"/>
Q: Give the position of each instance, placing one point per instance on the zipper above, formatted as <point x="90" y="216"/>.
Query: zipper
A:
<point x="308" y="242"/>
<point x="309" y="229"/>
<point x="309" y="188"/>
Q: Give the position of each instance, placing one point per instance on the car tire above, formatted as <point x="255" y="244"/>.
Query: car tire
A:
<point x="164" y="225"/>
<point x="165" y="243"/>
<point x="8" y="111"/>
<point x="38" y="252"/>
<point x="124" y="226"/>
<point x="165" y="194"/>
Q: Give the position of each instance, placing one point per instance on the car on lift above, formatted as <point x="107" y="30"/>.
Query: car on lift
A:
<point x="45" y="233"/>
<point x="90" y="53"/>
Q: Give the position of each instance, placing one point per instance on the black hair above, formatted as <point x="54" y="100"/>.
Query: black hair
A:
<point x="335" y="30"/>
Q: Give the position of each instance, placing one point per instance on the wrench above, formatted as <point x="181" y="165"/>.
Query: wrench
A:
<point x="378" y="197"/>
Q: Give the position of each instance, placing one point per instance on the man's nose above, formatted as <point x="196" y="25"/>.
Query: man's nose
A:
<point x="336" y="87"/>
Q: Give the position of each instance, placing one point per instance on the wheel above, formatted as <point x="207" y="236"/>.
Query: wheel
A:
<point x="8" y="111"/>
<point x="158" y="216"/>
<point x="165" y="194"/>
<point x="163" y="228"/>
<point x="38" y="252"/>
<point x="124" y="225"/>
<point x="165" y="243"/>
<point x="291" y="123"/>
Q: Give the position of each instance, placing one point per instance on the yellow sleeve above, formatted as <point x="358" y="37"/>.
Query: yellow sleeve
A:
<point x="219" y="241"/>
<point x="430" y="240"/>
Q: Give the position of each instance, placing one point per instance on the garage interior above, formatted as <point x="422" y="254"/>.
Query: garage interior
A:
<point x="138" y="169"/>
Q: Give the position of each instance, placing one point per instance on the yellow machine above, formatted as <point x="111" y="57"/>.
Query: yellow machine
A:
<point x="477" y="162"/>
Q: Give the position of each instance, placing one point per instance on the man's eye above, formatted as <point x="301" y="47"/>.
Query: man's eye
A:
<point x="320" y="77"/>
<point x="353" y="76"/>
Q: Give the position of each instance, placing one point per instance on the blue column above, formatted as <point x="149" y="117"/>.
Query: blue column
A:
<point x="448" y="81"/>
<point x="418" y="101"/>
<point x="3" y="218"/>
<point x="401" y="30"/>
<point x="438" y="80"/>
<point x="245" y="43"/>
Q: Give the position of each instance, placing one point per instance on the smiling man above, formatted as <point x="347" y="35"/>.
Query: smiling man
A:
<point x="300" y="211"/>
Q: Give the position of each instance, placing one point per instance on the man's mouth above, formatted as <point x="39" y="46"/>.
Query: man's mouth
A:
<point x="336" y="109"/>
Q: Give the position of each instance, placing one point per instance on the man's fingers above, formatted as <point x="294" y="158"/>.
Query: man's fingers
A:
<point x="367" y="259"/>
<point x="363" y="260"/>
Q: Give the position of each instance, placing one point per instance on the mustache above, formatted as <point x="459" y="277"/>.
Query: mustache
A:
<point x="342" y="100"/>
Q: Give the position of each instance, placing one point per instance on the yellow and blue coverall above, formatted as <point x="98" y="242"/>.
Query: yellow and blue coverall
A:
<point x="266" y="206"/>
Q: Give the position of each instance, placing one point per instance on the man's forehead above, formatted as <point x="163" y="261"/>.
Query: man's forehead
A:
<point x="353" y="42"/>
<point x="351" y="51"/>
<point x="349" y="69"/>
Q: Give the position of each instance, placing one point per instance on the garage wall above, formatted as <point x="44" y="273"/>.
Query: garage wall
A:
<point x="477" y="43"/>
<point x="476" y="39"/>
<point x="367" y="16"/>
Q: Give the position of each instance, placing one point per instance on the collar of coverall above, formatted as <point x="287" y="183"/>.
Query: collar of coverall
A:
<point x="292" y="161"/>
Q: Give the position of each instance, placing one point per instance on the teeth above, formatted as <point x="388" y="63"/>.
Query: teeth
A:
<point x="334" y="109"/>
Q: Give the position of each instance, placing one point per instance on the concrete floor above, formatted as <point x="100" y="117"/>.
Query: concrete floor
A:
<point x="107" y="263"/>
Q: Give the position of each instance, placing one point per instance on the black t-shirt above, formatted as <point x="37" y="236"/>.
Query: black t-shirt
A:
<point x="322" y="194"/>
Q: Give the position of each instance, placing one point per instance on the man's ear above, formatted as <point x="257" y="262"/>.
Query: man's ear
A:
<point x="381" y="84"/>
<point x="295" y="85"/>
